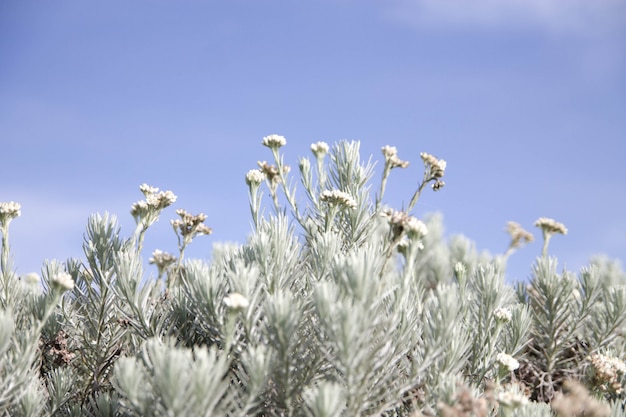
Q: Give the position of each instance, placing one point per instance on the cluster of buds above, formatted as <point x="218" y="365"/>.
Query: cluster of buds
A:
<point x="391" y="158"/>
<point x="402" y="223"/>
<point x="609" y="371"/>
<point x="550" y="226"/>
<point x="435" y="169"/>
<point x="574" y="400"/>
<point x="338" y="198"/>
<point x="502" y="315"/>
<point x="514" y="396"/>
<point x="8" y="212"/>
<point x="155" y="202"/>
<point x="236" y="302"/>
<point x="62" y="282"/>
<point x="319" y="149"/>
<point x="507" y="361"/>
<point x="189" y="225"/>
<point x="274" y="141"/>
<point x="162" y="260"/>
<point x="519" y="236"/>
<point x="271" y="171"/>
<point x="255" y="177"/>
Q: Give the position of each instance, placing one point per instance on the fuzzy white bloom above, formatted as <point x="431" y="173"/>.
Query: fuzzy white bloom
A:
<point x="274" y="141"/>
<point x="32" y="278"/>
<point x="503" y="314"/>
<point x="148" y="190"/>
<point x="415" y="228"/>
<point x="551" y="226"/>
<point x="255" y="177"/>
<point x="391" y="157"/>
<point x="511" y="399"/>
<point x="62" y="281"/>
<point x="507" y="361"/>
<point x="236" y="301"/>
<point x="336" y="197"/>
<point x="319" y="149"/>
<point x="436" y="166"/>
<point x="9" y="211"/>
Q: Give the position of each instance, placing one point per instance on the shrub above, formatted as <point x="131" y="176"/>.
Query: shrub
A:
<point x="341" y="306"/>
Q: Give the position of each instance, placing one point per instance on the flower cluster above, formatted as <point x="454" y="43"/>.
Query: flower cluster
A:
<point x="274" y="141"/>
<point x="155" y="202"/>
<point x="319" y="149"/>
<point x="162" y="260"/>
<point x="519" y="236"/>
<point x="338" y="198"/>
<point x="502" y="315"/>
<point x="189" y="225"/>
<point x="609" y="371"/>
<point x="62" y="282"/>
<point x="550" y="226"/>
<point x="574" y="400"/>
<point x="9" y="211"/>
<point x="507" y="361"/>
<point x="401" y="223"/>
<point x="391" y="157"/>
<point x="435" y="169"/>
<point x="236" y="301"/>
<point x="271" y="171"/>
<point x="255" y="177"/>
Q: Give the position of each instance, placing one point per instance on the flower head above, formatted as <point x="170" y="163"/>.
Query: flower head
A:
<point x="436" y="168"/>
<point x="507" y="361"/>
<point x="9" y="211"/>
<point x="274" y="141"/>
<point x="338" y="198"/>
<point x="519" y="236"/>
<point x="550" y="226"/>
<point x="155" y="201"/>
<point x="609" y="371"/>
<point x="162" y="260"/>
<point x="319" y="149"/>
<point x="502" y="315"/>
<point x="391" y="157"/>
<point x="62" y="282"/>
<point x="189" y="225"/>
<point x="236" y="301"/>
<point x="401" y="222"/>
<point x="255" y="177"/>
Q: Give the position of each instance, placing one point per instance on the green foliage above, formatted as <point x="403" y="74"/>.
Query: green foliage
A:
<point x="338" y="307"/>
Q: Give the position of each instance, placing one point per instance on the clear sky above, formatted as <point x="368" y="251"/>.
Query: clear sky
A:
<point x="524" y="99"/>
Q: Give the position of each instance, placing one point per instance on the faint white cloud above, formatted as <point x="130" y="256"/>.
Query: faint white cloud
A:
<point x="569" y="16"/>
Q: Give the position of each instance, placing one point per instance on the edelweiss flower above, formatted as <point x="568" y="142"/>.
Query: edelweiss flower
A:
<point x="338" y="198"/>
<point x="391" y="157"/>
<point x="236" y="301"/>
<point x="519" y="236"/>
<point x="255" y="177"/>
<point x="508" y="361"/>
<point x="274" y="141"/>
<point x="9" y="211"/>
<point x="551" y="226"/>
<point x="502" y="314"/>
<point x="319" y="149"/>
<point x="62" y="282"/>
<point x="436" y="167"/>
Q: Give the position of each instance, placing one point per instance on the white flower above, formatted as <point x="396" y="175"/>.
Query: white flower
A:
<point x="502" y="314"/>
<point x="62" y="281"/>
<point x="9" y="211"/>
<point x="255" y="177"/>
<point x="415" y="228"/>
<point x="236" y="301"/>
<point x="551" y="226"/>
<point x="336" y="197"/>
<point x="148" y="190"/>
<point x="391" y="157"/>
<point x="319" y="149"/>
<point x="32" y="278"/>
<point x="274" y="141"/>
<point x="508" y="361"/>
<point x="437" y="167"/>
<point x="512" y="399"/>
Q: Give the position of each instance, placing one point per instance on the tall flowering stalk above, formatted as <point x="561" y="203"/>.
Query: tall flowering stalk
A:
<point x="391" y="161"/>
<point x="146" y="212"/>
<point x="8" y="212"/>
<point x="435" y="169"/>
<point x="549" y="227"/>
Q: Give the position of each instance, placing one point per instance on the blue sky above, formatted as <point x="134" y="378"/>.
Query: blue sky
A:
<point x="524" y="99"/>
